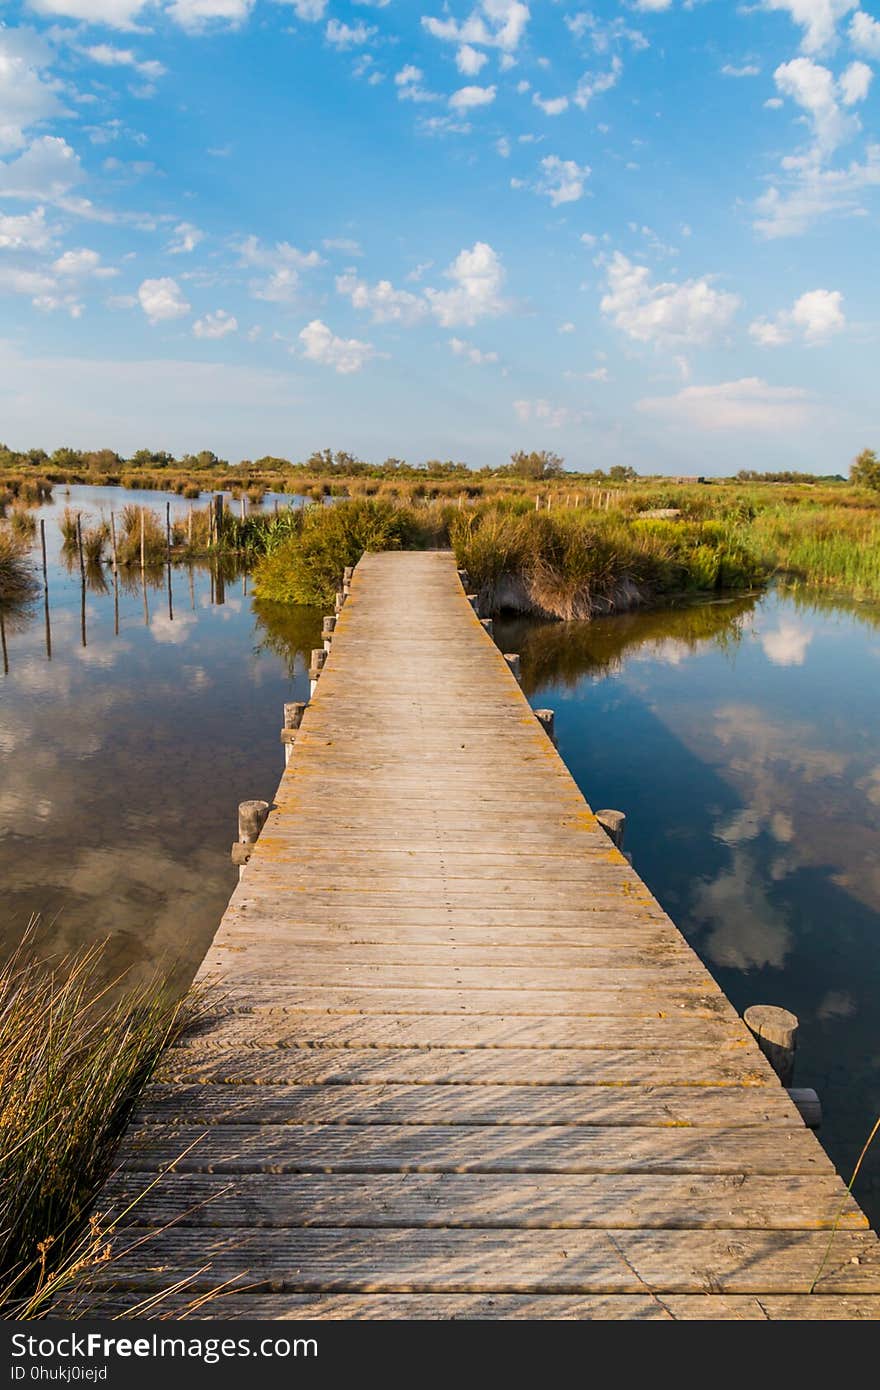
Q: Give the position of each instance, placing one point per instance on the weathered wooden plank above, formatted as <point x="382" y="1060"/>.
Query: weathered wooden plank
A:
<point x="678" y="1106"/>
<point x="579" y="1202"/>
<point x="301" y="1148"/>
<point x="511" y="1261"/>
<point x="687" y="1002"/>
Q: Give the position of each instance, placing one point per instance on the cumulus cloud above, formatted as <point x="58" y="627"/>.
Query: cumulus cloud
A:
<point x="562" y="180"/>
<point x="546" y="413"/>
<point x="593" y="84"/>
<point x="116" y="14"/>
<point x="667" y="312"/>
<point x="81" y="263"/>
<point x="27" y="95"/>
<point x="215" y="325"/>
<point x="477" y="277"/>
<point x="382" y="300"/>
<point x="310" y="11"/>
<point x="466" y="98"/>
<point x="162" y="299"/>
<point x="815" y="91"/>
<point x="27" y="232"/>
<point x="185" y="238"/>
<point x="817" y="18"/>
<point x="283" y="262"/>
<point x="195" y="15"/>
<point x="815" y="317"/>
<point x="493" y="24"/>
<point x="792" y="204"/>
<point x="409" y="85"/>
<point x="551" y="106"/>
<point x="747" y="404"/>
<point x="864" y="34"/>
<point x="470" y="60"/>
<point x="47" y="170"/>
<point x="344" y="355"/>
<point x="787" y="644"/>
<point x="348" y="35"/>
<point x="472" y="354"/>
<point x="108" y="56"/>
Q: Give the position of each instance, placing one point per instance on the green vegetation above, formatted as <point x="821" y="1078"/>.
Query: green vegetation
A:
<point x="72" y="1059"/>
<point x="18" y="585"/>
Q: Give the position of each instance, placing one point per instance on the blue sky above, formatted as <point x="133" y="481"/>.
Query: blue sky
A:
<point x="636" y="233"/>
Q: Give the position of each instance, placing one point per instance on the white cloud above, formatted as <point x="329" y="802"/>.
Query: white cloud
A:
<point x="344" y="355"/>
<point x="864" y="34"/>
<point x="477" y="277"/>
<point x="472" y="354"/>
<point x="652" y="6"/>
<point x="162" y="299"/>
<point x="409" y="85"/>
<point x="348" y="35"/>
<point x="109" y="57"/>
<point x="310" y="11"/>
<point x="814" y="89"/>
<point x="27" y="232"/>
<point x="604" y="34"/>
<point x="545" y="413"/>
<point x="817" y="18"/>
<point x="502" y="145"/>
<point x="26" y="96"/>
<point x="470" y="60"/>
<point x="342" y="243"/>
<point x="215" y="325"/>
<point x="186" y="238"/>
<point x="47" y="169"/>
<point x="690" y="312"/>
<point x="567" y="327"/>
<point x="466" y="98"/>
<point x="382" y="300"/>
<point x="855" y="83"/>
<point x="82" y="263"/>
<point x="195" y="15"/>
<point x="748" y="404"/>
<point x="810" y="193"/>
<point x="815" y="316"/>
<point x="283" y="261"/>
<point x="595" y="83"/>
<point x="552" y="106"/>
<point x="493" y="24"/>
<point x="116" y="14"/>
<point x="745" y="70"/>
<point x="562" y="180"/>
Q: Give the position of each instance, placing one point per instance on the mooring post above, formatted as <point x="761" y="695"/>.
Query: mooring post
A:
<point x="465" y="579"/>
<point x="79" y="545"/>
<point x="347" y="576"/>
<point x="243" y="500"/>
<point x="808" y="1104"/>
<point x="547" y="719"/>
<point x="319" y="656"/>
<point x="143" y="544"/>
<point x="293" y="713"/>
<point x="474" y="601"/>
<point x="113" y="542"/>
<point x="614" y="825"/>
<point x="43" y="546"/>
<point x="340" y="600"/>
<point x="487" y="624"/>
<point x="513" y="661"/>
<point x="775" y="1031"/>
<point x="251" y="819"/>
<point x="168" y="532"/>
<point x="327" y="629"/>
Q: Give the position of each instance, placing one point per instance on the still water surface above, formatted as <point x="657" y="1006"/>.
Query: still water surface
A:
<point x="741" y="738"/>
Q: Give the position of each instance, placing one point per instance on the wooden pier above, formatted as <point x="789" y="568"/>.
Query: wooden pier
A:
<point x="464" y="1065"/>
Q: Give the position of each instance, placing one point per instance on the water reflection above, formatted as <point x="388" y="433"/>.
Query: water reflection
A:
<point x="742" y="741"/>
<point x="137" y="711"/>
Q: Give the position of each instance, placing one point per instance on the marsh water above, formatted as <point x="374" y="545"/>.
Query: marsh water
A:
<point x="740" y="737"/>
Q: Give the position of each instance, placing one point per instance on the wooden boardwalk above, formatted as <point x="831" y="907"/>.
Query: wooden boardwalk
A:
<point x="465" y="1066"/>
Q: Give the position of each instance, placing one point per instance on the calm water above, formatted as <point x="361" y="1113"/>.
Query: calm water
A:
<point x="740" y="738"/>
<point x="742" y="741"/>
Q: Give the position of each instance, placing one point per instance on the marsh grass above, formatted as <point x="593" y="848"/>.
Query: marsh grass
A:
<point x="18" y="583"/>
<point x="74" y="1053"/>
<point x="23" y="523"/>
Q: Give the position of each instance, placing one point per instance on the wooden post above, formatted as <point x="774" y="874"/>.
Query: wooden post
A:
<point x="168" y="532"/>
<point x="327" y="627"/>
<point x="251" y="819"/>
<point x="513" y="661"/>
<point x="487" y="624"/>
<point x="189" y="528"/>
<point x="340" y="600"/>
<point x="79" y="546"/>
<point x="348" y="574"/>
<point x="537" y="500"/>
<point x="547" y="719"/>
<point x="293" y="713"/>
<point x="243" y="507"/>
<point x="143" y="550"/>
<point x="474" y="601"/>
<point x="43" y="546"/>
<point x="218" y="519"/>
<point x="113" y="542"/>
<point x="775" y="1031"/>
<point x="319" y="656"/>
<point x="614" y="825"/>
<point x="464" y="579"/>
<point x="808" y="1105"/>
<point x="210" y="522"/>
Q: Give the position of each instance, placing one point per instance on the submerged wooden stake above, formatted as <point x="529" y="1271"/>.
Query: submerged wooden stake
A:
<point x="43" y="546"/>
<point x="775" y="1031"/>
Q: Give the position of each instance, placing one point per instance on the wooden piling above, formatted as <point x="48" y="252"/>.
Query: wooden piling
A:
<point x="143" y="544"/>
<point x="487" y="624"/>
<point x="340" y="600"/>
<point x="513" y="661"/>
<point x="79" y="546"/>
<point x="808" y="1105"/>
<point x="775" y="1031"/>
<point x="547" y="719"/>
<point x="168" y="532"/>
<point x="113" y="548"/>
<point x="251" y="819"/>
<point x="43" y="548"/>
<point x="614" y="825"/>
<point x="328" y="626"/>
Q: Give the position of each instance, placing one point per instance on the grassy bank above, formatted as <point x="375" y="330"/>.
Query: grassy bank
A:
<point x="72" y="1060"/>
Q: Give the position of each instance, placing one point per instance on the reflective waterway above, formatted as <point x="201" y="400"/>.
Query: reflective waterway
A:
<point x="742" y="741"/>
